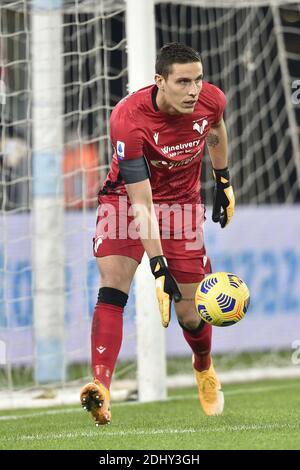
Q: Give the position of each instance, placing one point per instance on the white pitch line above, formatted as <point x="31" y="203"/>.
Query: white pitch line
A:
<point x="241" y="391"/>
<point x="74" y="435"/>
<point x="77" y="409"/>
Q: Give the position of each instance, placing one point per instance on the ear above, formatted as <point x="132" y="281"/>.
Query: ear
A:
<point x="160" y="81"/>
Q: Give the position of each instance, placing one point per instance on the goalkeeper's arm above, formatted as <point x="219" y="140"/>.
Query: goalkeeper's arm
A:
<point x="140" y="195"/>
<point x="223" y="200"/>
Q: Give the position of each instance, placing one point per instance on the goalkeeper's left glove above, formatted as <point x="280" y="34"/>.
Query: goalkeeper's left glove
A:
<point x="223" y="198"/>
<point x="166" y="287"/>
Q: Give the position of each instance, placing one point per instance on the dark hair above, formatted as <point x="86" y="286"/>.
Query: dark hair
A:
<point x="174" y="53"/>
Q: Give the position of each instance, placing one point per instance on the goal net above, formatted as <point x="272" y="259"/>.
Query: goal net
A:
<point x="249" y="51"/>
<point x="63" y="67"/>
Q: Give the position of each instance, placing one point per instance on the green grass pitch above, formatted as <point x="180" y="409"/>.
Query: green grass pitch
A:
<point x="262" y="415"/>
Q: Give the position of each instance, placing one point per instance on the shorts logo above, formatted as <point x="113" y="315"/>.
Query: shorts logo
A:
<point x="97" y="243"/>
<point x="120" y="150"/>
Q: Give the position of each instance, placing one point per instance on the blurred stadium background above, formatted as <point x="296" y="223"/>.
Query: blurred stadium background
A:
<point x="63" y="67"/>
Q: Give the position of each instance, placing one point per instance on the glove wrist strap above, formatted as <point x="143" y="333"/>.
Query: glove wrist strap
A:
<point x="222" y="177"/>
<point x="158" y="265"/>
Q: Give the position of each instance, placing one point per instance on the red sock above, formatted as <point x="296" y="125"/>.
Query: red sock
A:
<point x="107" y="329"/>
<point x="200" y="343"/>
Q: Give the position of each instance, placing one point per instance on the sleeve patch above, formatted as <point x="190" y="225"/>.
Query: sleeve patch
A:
<point x="120" y="150"/>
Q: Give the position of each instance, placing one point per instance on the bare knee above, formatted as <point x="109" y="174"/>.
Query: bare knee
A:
<point x="113" y="279"/>
<point x="189" y="322"/>
<point x="117" y="272"/>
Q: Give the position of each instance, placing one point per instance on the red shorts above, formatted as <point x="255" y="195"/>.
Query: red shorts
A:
<point x="180" y="230"/>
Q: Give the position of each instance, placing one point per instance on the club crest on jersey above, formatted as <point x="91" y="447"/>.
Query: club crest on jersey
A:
<point x="200" y="128"/>
<point x="120" y="150"/>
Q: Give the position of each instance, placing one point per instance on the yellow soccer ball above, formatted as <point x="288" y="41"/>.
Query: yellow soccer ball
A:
<point x="222" y="299"/>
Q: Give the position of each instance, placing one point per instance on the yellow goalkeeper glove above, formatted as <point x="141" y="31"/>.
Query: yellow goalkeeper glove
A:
<point x="223" y="198"/>
<point x="166" y="287"/>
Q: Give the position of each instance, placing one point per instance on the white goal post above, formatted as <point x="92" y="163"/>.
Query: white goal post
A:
<point x="151" y="357"/>
<point x="48" y="207"/>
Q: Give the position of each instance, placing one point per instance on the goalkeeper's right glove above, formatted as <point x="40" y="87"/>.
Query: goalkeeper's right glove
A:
<point x="166" y="287"/>
<point x="223" y="202"/>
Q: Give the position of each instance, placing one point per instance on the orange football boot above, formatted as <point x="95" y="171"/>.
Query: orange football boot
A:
<point x="211" y="396"/>
<point x="95" y="398"/>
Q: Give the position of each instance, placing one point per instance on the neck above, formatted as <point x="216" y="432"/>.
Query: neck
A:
<point x="163" y="105"/>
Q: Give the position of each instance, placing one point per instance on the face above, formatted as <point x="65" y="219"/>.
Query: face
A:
<point x="179" y="92"/>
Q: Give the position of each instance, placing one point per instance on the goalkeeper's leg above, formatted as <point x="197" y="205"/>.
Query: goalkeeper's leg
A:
<point x="198" y="335"/>
<point x="106" y="337"/>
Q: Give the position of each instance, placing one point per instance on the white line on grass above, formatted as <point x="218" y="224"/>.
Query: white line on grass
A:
<point x="241" y="391"/>
<point x="153" y="432"/>
<point x="238" y="391"/>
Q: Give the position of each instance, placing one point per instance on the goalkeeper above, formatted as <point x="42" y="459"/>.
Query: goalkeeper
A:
<point x="158" y="135"/>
